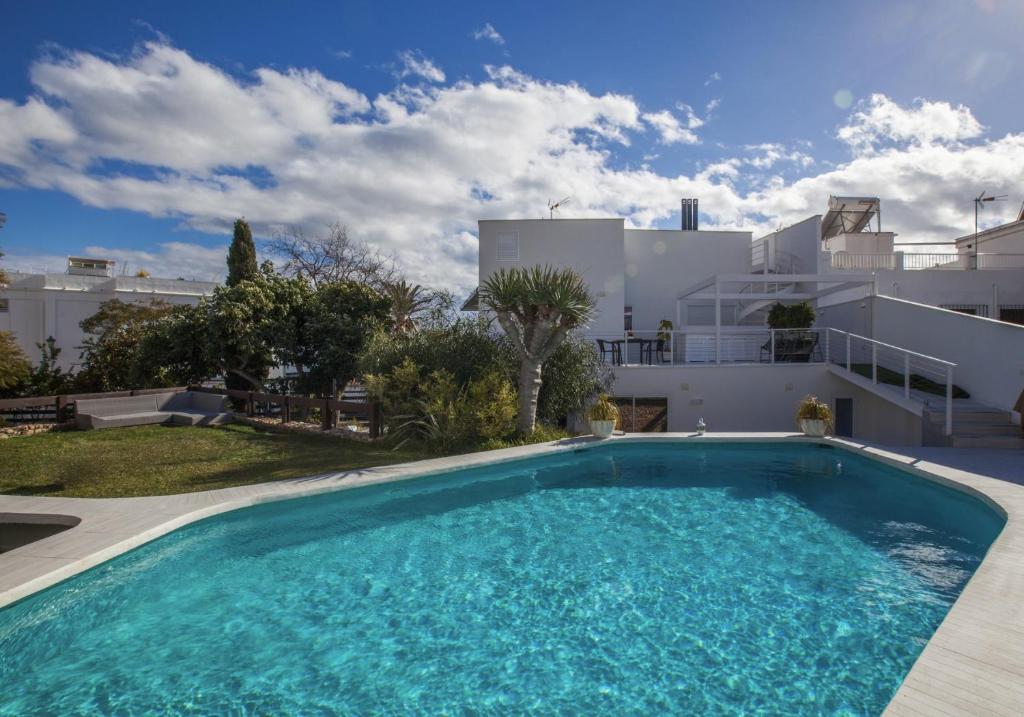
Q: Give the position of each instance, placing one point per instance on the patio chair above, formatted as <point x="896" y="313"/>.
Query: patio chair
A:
<point x="608" y="349"/>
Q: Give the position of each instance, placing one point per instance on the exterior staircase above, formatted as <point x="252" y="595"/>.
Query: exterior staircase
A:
<point x="975" y="426"/>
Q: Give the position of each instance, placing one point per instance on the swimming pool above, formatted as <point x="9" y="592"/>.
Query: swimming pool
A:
<point x="625" y="578"/>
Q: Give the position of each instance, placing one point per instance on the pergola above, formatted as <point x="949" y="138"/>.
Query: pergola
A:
<point x="757" y="291"/>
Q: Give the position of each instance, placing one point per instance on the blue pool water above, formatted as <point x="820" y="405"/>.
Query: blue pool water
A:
<point x="625" y="579"/>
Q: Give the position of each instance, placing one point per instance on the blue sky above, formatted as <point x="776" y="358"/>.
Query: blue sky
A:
<point x="140" y="129"/>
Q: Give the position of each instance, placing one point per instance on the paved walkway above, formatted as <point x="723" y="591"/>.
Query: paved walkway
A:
<point x="973" y="665"/>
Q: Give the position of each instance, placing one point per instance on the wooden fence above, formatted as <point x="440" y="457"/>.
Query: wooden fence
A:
<point x="288" y="408"/>
<point x="56" y="409"/>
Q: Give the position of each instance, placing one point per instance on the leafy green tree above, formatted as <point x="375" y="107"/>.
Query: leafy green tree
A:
<point x="248" y="323"/>
<point x="573" y="375"/>
<point x="242" y="255"/>
<point x="111" y="347"/>
<point x="47" y="377"/>
<point x="342" y="316"/>
<point x="465" y="346"/>
<point x="536" y="307"/>
<point x="14" y="365"/>
<point x="174" y="349"/>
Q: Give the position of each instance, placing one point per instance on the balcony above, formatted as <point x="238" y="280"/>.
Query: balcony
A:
<point x="702" y="346"/>
<point x="901" y="260"/>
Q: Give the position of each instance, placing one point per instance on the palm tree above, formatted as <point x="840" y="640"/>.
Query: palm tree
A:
<point x="407" y="300"/>
<point x="537" y="307"/>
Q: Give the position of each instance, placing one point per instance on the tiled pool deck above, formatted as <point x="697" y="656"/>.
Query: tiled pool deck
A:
<point x="973" y="665"/>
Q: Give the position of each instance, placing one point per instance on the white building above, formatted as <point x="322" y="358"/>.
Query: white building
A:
<point x="37" y="306"/>
<point x="681" y="317"/>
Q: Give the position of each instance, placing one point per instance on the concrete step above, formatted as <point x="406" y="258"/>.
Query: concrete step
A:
<point x="979" y="429"/>
<point x="988" y="441"/>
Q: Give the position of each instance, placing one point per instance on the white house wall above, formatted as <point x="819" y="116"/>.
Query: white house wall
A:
<point x="661" y="263"/>
<point x="593" y="247"/>
<point x="762" y="397"/>
<point x="41" y="306"/>
<point x="989" y="354"/>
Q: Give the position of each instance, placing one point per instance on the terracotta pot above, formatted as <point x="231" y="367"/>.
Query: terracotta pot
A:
<point x="602" y="429"/>
<point x="814" y="427"/>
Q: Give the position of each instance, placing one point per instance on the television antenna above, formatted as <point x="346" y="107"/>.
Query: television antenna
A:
<point x="978" y="205"/>
<point x="555" y="206"/>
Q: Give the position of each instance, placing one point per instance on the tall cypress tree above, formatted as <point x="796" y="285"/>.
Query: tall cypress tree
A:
<point x="241" y="254"/>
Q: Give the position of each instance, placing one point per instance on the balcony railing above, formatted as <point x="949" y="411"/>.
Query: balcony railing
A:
<point x="866" y="261"/>
<point x="703" y="347"/>
<point x="918" y="377"/>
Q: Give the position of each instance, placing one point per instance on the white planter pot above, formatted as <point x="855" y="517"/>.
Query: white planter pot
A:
<point x="602" y="429"/>
<point x="814" y="427"/>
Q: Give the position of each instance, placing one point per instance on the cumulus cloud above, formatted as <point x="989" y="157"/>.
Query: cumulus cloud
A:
<point x="411" y="170"/>
<point x="487" y="32"/>
<point x="415" y="64"/>
<point x="879" y="122"/>
<point x="670" y="129"/>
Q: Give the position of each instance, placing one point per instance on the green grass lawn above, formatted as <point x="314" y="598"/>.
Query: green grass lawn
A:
<point x="159" y="460"/>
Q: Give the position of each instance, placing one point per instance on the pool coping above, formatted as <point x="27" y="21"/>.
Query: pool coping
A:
<point x="973" y="664"/>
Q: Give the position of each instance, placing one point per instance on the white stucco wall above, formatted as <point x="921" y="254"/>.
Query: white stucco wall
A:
<point x="593" y="247"/>
<point x="802" y="241"/>
<point x="762" y="397"/>
<point x="660" y="263"/>
<point x="989" y="354"/>
<point x="44" y="305"/>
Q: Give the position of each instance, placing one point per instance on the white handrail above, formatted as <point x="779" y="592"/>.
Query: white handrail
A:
<point x="890" y="346"/>
<point x="946" y="367"/>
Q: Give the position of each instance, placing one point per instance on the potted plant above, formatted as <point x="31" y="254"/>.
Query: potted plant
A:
<point x="603" y="416"/>
<point x="664" y="338"/>
<point x="814" y="417"/>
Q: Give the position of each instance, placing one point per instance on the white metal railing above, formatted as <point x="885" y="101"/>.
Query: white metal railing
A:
<point x="885" y="364"/>
<point x="705" y="346"/>
<point x="873" y="261"/>
<point x="863" y="261"/>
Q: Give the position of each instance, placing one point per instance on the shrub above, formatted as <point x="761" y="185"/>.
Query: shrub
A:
<point x="794" y="316"/>
<point x="433" y="409"/>
<point x="572" y="377"/>
<point x="604" y="409"/>
<point x="811" y="409"/>
<point x="541" y="434"/>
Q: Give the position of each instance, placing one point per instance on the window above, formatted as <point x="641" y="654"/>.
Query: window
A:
<point x="508" y="246"/>
<point x="1014" y="313"/>
<point x="627" y="319"/>
<point x="970" y="309"/>
<point x="4" y="306"/>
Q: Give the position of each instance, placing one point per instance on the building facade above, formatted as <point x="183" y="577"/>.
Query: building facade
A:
<point x="35" y="307"/>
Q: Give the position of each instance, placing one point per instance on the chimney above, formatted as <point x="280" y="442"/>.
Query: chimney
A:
<point x="689" y="215"/>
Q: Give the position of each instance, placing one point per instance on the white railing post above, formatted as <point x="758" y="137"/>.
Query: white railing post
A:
<point x="847" y="352"/>
<point x="906" y="375"/>
<point x="874" y="363"/>
<point x="771" y="332"/>
<point x="828" y="332"/>
<point x="949" y="400"/>
<point x="672" y="348"/>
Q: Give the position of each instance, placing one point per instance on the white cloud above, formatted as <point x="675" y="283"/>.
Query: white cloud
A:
<point x="487" y="32"/>
<point x="714" y="77"/>
<point x="414" y="63"/>
<point x="411" y="170"/>
<point x="342" y="54"/>
<point x="879" y="122"/>
<point x="670" y="129"/>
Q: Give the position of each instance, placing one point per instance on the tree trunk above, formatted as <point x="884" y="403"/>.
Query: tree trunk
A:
<point x="529" y="390"/>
